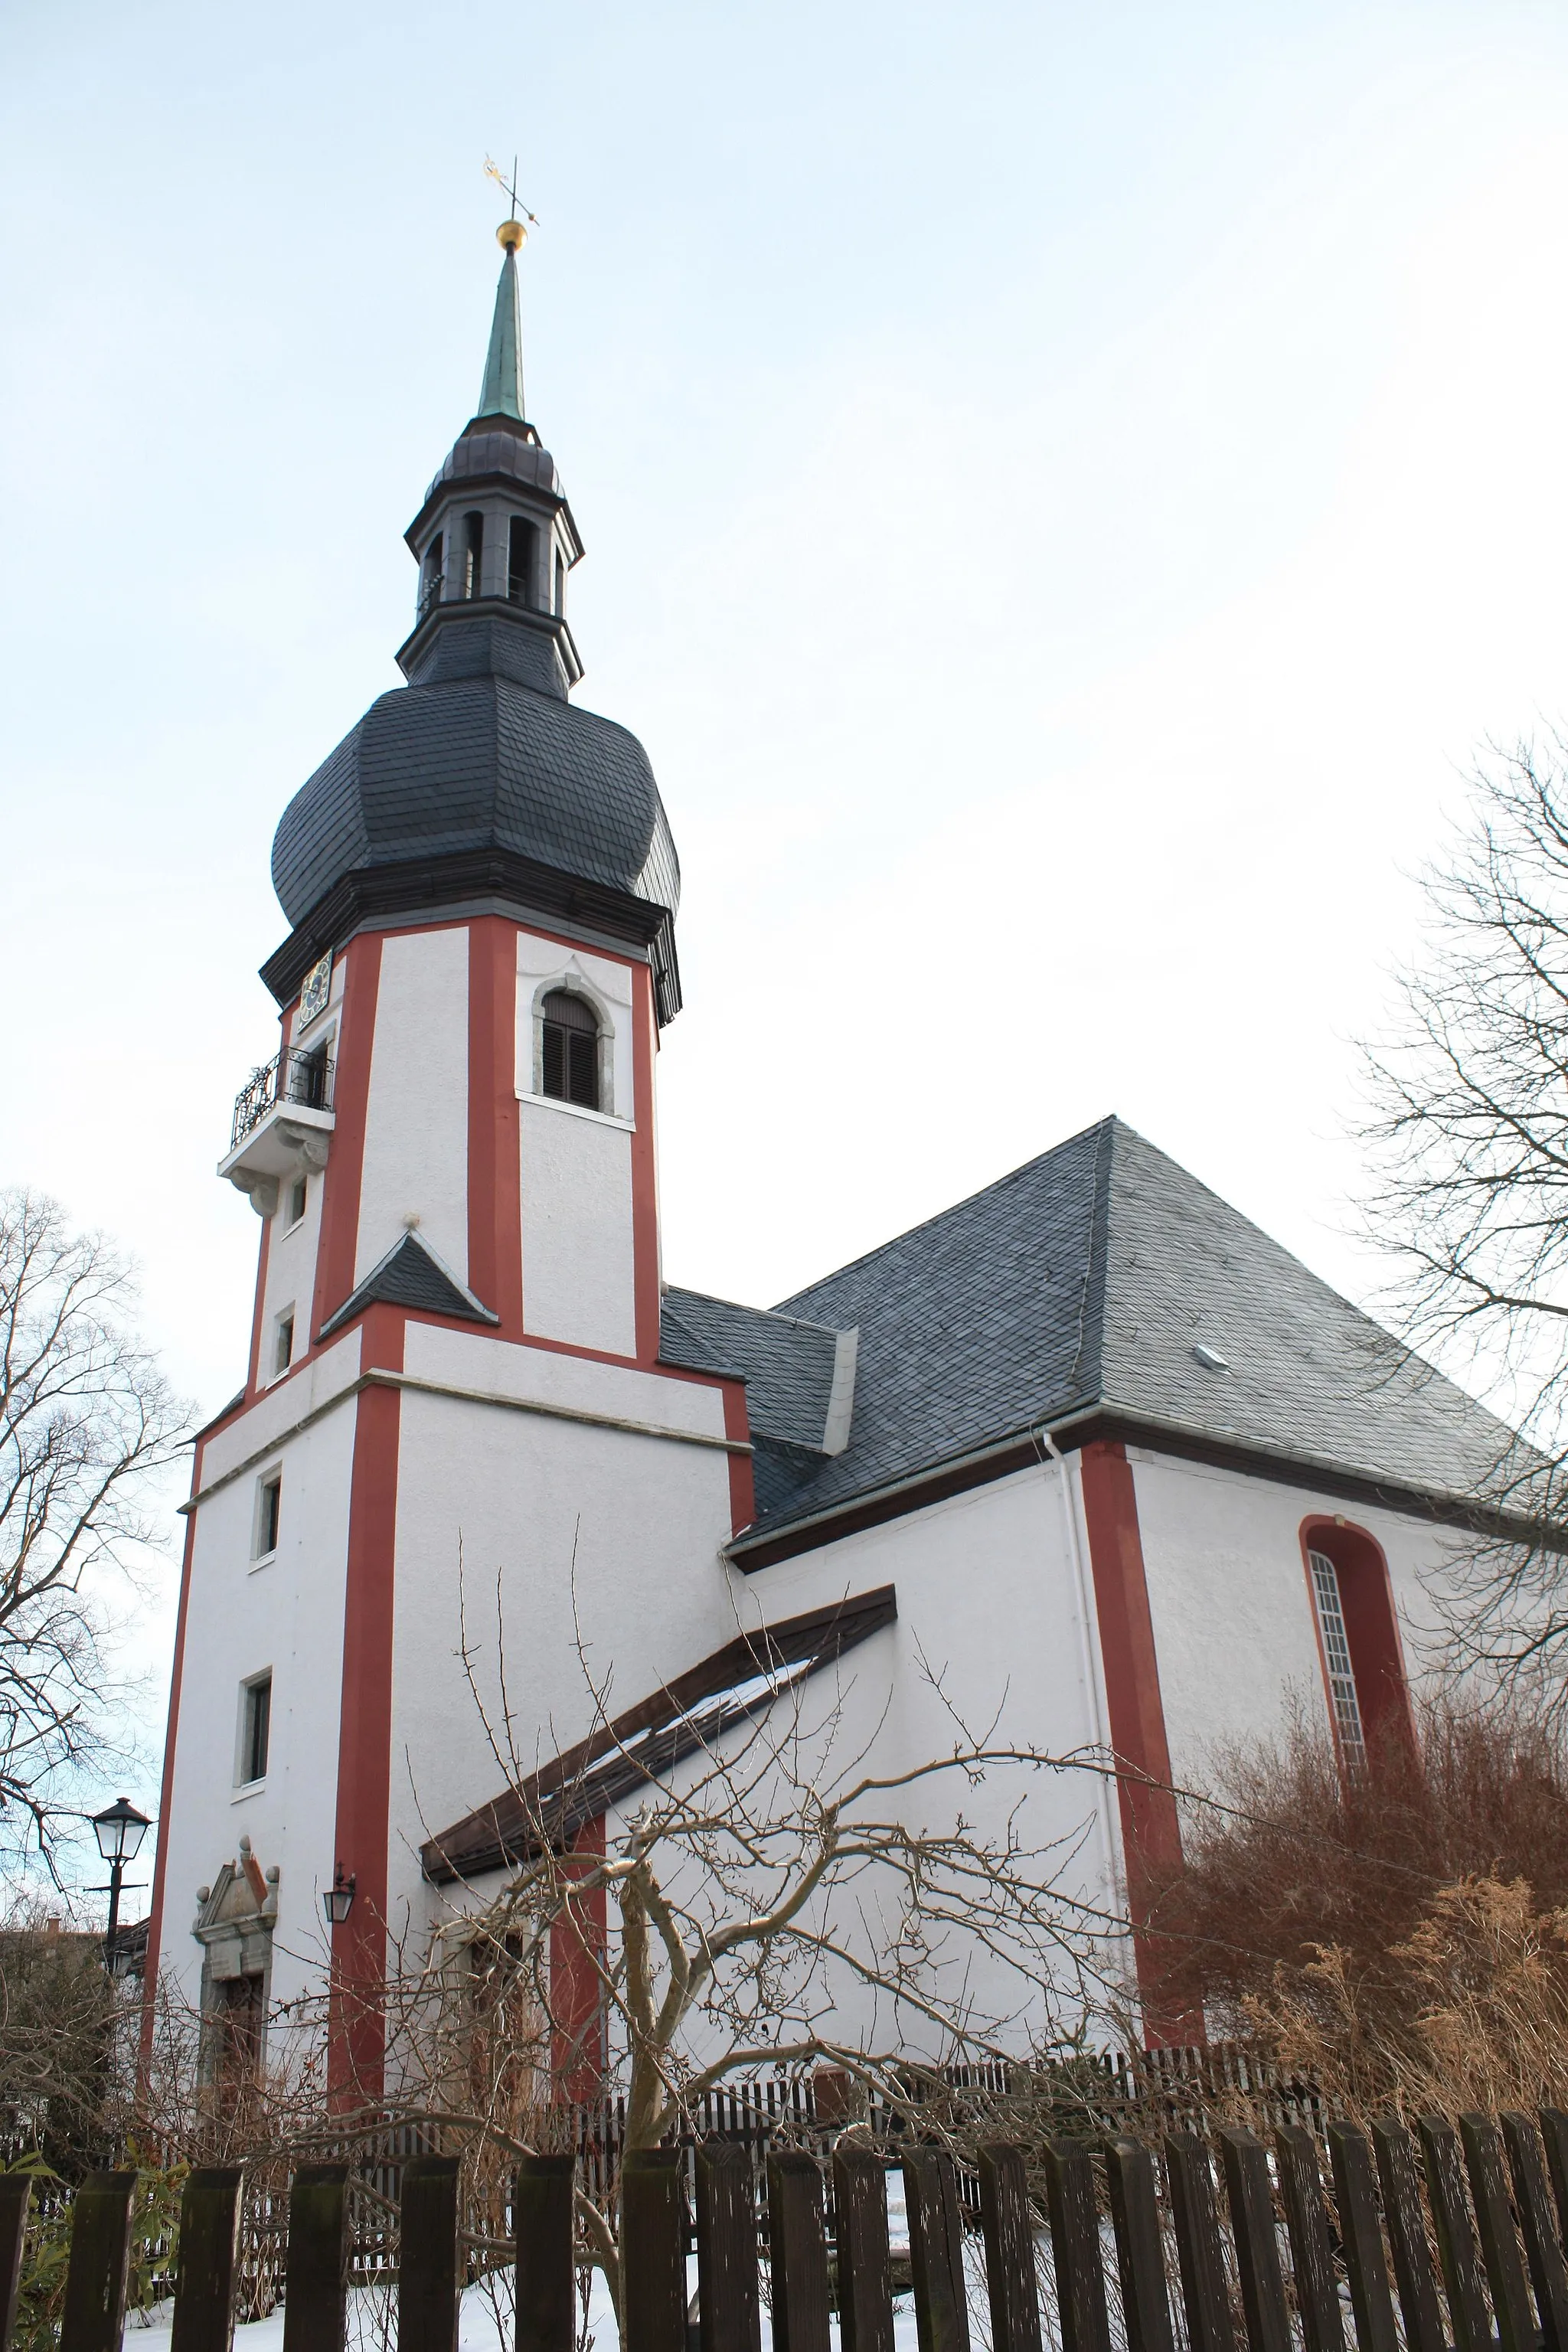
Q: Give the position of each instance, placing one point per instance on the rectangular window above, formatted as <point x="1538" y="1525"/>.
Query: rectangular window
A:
<point x="560" y="582"/>
<point x="297" y="1197"/>
<point x="1336" y="1656"/>
<point x="269" y="1509"/>
<point x="283" y="1349"/>
<point x="255" y="1728"/>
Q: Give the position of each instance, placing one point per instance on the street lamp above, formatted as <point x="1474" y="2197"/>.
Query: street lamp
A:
<point x="338" y="1899"/>
<point x="119" y="1830"/>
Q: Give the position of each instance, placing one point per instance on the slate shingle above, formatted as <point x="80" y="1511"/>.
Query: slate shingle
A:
<point x="1084" y="1278"/>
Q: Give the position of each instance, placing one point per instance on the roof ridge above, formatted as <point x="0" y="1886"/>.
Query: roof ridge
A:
<point x="923" y="1224"/>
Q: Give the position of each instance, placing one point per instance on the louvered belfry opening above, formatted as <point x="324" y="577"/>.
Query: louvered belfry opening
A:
<point x="570" y="1050"/>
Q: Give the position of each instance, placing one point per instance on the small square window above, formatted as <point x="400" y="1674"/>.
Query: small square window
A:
<point x="269" y="1509"/>
<point x="283" y="1346"/>
<point x="298" y="1194"/>
<point x="255" y="1728"/>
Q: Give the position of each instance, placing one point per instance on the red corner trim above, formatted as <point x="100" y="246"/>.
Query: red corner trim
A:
<point x="742" y="1480"/>
<point x="166" y="1791"/>
<point x="579" y="1940"/>
<point x="645" y="1167"/>
<point x="1150" y="1829"/>
<point x="356" y="2039"/>
<point x="345" y="1158"/>
<point x="495" y="1173"/>
<point x="253" y="1371"/>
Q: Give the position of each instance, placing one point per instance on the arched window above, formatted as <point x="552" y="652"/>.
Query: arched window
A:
<point x="430" y="584"/>
<point x="1358" y="1638"/>
<point x="521" y="560"/>
<point x="571" y="1058"/>
<point x="473" y="553"/>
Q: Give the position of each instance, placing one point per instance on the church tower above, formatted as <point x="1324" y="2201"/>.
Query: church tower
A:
<point x="456" y="1449"/>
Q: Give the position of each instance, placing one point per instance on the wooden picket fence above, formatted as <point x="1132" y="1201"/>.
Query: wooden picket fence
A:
<point x="1434" y="2240"/>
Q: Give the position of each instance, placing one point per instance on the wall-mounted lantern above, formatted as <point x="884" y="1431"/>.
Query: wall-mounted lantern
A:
<point x="338" y="1899"/>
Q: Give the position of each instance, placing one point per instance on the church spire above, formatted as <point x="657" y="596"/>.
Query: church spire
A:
<point x="501" y="394"/>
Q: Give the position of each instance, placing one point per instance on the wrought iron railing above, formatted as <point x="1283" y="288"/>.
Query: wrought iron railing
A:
<point x="303" y="1078"/>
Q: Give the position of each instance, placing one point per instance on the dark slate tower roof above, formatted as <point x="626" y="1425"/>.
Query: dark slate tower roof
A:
<point x="478" y="780"/>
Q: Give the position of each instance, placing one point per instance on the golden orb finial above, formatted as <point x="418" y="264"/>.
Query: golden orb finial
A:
<point x="512" y="233"/>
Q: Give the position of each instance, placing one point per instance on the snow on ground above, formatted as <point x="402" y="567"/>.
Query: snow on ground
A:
<point x="485" y="2319"/>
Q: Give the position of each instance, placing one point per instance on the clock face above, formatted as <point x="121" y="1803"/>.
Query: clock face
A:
<point x="318" y="987"/>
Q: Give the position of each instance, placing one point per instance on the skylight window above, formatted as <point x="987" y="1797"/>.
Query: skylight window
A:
<point x="1210" y="1358"/>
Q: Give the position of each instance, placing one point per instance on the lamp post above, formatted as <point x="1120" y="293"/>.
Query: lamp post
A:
<point x="119" y="1830"/>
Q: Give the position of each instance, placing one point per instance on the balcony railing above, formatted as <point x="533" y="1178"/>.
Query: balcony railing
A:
<point x="303" y="1078"/>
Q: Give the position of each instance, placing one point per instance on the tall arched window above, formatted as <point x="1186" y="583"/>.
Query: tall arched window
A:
<point x="1358" y="1638"/>
<point x="571" y="1057"/>
<point x="473" y="554"/>
<point x="521" y="560"/>
<point x="430" y="582"/>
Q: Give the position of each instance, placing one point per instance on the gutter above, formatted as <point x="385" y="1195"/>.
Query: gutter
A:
<point x="781" y="1538"/>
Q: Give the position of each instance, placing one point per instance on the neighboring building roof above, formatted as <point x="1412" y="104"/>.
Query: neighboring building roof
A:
<point x="1083" y="1281"/>
<point x="411" y="1275"/>
<point x="731" y="1686"/>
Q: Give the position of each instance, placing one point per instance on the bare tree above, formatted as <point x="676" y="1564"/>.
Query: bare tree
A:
<point x="86" y="1421"/>
<point x="774" y="1903"/>
<point x="1469" y="1128"/>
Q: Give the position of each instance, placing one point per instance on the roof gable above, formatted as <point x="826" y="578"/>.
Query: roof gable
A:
<point x="411" y="1275"/>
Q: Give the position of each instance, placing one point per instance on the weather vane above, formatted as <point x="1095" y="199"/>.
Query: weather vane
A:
<point x="511" y="232"/>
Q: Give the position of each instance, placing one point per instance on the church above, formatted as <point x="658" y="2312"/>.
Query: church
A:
<point x="1087" y="1454"/>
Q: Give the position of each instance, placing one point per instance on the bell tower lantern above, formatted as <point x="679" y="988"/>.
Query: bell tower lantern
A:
<point x="495" y="539"/>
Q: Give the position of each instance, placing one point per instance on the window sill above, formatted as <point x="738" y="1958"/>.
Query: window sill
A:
<point x="577" y="1110"/>
<point x="247" y="1789"/>
<point x="263" y="1560"/>
<point x="289" y="1231"/>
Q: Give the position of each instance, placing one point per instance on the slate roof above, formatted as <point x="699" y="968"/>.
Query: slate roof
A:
<point x="787" y="1364"/>
<point x="480" y="763"/>
<point x="730" y="1687"/>
<point x="411" y="1275"/>
<point x="1084" y="1279"/>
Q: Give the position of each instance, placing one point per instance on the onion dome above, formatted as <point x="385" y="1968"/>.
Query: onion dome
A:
<point x="479" y="779"/>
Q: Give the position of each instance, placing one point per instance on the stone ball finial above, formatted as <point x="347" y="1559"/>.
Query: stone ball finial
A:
<point x="204" y="1894"/>
<point x="273" y="1875"/>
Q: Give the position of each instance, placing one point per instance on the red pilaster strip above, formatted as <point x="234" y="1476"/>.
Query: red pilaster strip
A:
<point x="346" y="1157"/>
<point x="579" y="1940"/>
<point x="253" y="1372"/>
<point x="495" y="1204"/>
<point x="166" y="1794"/>
<point x="1150" y="1829"/>
<point x="742" y="1484"/>
<point x="357" y="2040"/>
<point x="645" y="1166"/>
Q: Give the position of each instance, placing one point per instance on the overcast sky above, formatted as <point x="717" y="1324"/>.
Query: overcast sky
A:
<point x="1066" y="492"/>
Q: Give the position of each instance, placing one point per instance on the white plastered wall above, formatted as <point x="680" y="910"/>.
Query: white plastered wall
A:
<point x="290" y="1271"/>
<point x="416" y="1118"/>
<point x="578" y="1259"/>
<point x="1234" y="1631"/>
<point x="991" y="1601"/>
<point x="288" y="1615"/>
<point x="521" y="1493"/>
